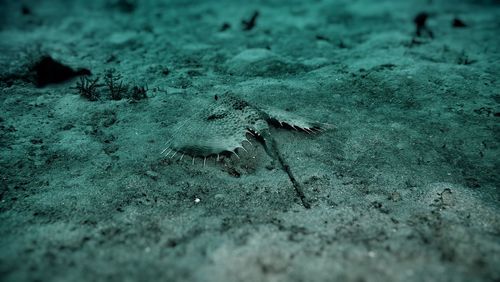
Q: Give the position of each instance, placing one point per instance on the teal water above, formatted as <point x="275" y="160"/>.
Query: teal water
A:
<point x="249" y="141"/>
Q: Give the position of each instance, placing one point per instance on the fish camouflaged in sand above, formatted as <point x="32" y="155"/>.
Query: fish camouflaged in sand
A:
<point x="223" y="127"/>
<point x="227" y="123"/>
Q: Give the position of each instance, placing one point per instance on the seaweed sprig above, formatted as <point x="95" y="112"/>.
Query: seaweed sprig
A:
<point x="114" y="84"/>
<point x="87" y="88"/>
<point x="139" y="93"/>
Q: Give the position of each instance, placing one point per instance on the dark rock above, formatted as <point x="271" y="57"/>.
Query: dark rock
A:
<point x="25" y="10"/>
<point x="49" y="71"/>
<point x="458" y="23"/>
<point x="224" y="27"/>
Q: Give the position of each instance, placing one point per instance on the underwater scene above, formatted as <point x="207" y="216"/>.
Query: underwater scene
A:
<point x="279" y="140"/>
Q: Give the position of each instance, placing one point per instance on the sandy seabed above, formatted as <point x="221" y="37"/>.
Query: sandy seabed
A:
<point x="403" y="183"/>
